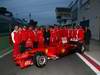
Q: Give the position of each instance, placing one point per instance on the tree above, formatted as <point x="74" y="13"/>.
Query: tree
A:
<point x="33" y="23"/>
<point x="4" y="11"/>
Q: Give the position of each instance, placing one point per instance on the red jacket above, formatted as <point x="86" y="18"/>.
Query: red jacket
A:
<point x="40" y="35"/>
<point x="35" y="35"/>
<point x="75" y="34"/>
<point x="40" y="38"/>
<point x="31" y="35"/>
<point x="60" y="33"/>
<point x="65" y="32"/>
<point x="16" y="38"/>
<point x="24" y="35"/>
<point x="53" y="35"/>
<point x="70" y="33"/>
<point x="78" y="34"/>
<point x="81" y="34"/>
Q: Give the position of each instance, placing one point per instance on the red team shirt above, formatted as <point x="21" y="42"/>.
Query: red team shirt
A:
<point x="31" y="35"/>
<point x="24" y="34"/>
<point x="16" y="38"/>
<point x="40" y="38"/>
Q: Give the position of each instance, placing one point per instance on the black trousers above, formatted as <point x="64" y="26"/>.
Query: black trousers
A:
<point x="35" y="44"/>
<point x="22" y="47"/>
<point x="47" y="41"/>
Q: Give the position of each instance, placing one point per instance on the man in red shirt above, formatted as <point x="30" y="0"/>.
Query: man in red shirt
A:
<point x="16" y="38"/>
<point x="56" y="29"/>
<point x="81" y="34"/>
<point x="75" y="34"/>
<point x="24" y="38"/>
<point x="53" y="36"/>
<point x="30" y="37"/>
<point x="70" y="34"/>
<point x="78" y="34"/>
<point x="65" y="34"/>
<point x="24" y="33"/>
<point x="40" y="37"/>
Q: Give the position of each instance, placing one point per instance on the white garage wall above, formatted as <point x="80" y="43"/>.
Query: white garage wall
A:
<point x="93" y="14"/>
<point x="95" y="18"/>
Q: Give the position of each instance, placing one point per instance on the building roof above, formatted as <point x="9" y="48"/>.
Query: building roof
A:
<point x="63" y="9"/>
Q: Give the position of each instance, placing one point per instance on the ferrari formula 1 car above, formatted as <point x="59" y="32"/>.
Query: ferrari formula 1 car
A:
<point x="40" y="55"/>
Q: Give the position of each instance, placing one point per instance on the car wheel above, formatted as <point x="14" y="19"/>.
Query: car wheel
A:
<point x="40" y="59"/>
<point x="81" y="48"/>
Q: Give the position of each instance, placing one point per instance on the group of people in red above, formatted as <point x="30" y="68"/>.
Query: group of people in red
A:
<point x="43" y="37"/>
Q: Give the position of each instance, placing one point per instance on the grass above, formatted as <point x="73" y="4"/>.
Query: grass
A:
<point x="4" y="44"/>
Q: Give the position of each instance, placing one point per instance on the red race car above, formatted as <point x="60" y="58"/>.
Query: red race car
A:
<point x="39" y="55"/>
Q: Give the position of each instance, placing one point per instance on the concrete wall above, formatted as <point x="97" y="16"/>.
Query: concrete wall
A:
<point x="93" y="14"/>
<point x="95" y="18"/>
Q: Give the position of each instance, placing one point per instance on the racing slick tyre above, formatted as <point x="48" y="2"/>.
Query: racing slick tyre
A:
<point x="40" y="59"/>
<point x="80" y="48"/>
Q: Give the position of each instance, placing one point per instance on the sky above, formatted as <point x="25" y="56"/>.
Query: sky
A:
<point x="42" y="11"/>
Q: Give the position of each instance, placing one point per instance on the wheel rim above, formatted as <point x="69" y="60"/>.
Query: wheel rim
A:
<point x="41" y="60"/>
<point x="82" y="49"/>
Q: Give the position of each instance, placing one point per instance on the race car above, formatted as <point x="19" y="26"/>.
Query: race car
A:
<point x="39" y="55"/>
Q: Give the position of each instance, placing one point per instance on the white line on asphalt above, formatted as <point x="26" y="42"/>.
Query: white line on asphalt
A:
<point x="89" y="64"/>
<point x="92" y="58"/>
<point x="5" y="54"/>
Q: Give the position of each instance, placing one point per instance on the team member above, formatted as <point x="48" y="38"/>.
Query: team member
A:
<point x="31" y="38"/>
<point x="65" y="35"/>
<point x="46" y="37"/>
<point x="53" y="35"/>
<point x="75" y="34"/>
<point x="62" y="36"/>
<point x="24" y="33"/>
<point x="78" y="34"/>
<point x="81" y="34"/>
<point x="70" y="34"/>
<point x="87" y="38"/>
<point x="40" y="37"/>
<point x="56" y="29"/>
<point x="19" y="39"/>
<point x="24" y="38"/>
<point x="35" y="42"/>
<point x="15" y="39"/>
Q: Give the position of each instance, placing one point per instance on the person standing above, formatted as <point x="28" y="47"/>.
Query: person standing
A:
<point x="87" y="37"/>
<point x="14" y="36"/>
<point x="24" y="37"/>
<point x="30" y="38"/>
<point x="40" y="37"/>
<point x="24" y="33"/>
<point x="46" y="36"/>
